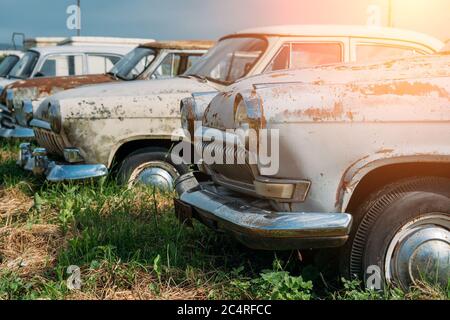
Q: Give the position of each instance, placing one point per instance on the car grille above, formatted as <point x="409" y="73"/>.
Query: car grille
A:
<point x="240" y="171"/>
<point x="54" y="143"/>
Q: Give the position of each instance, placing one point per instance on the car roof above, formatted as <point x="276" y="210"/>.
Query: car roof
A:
<point x="121" y="50"/>
<point x="356" y="31"/>
<point x="180" y="45"/>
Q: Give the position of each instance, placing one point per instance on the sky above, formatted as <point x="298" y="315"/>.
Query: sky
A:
<point x="209" y="19"/>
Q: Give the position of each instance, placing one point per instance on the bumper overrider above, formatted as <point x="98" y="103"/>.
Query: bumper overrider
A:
<point x="10" y="129"/>
<point x="38" y="162"/>
<point x="255" y="227"/>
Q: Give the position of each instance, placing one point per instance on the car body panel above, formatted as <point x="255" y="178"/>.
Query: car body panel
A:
<point x="338" y="123"/>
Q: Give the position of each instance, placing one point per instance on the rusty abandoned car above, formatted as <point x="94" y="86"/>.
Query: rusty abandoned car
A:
<point x="84" y="133"/>
<point x="364" y="165"/>
<point x="74" y="56"/>
<point x="147" y="61"/>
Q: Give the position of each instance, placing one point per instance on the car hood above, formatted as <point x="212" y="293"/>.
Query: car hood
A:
<point x="284" y="94"/>
<point x="437" y="65"/>
<point x="143" y="98"/>
<point x="4" y="82"/>
<point x="38" y="88"/>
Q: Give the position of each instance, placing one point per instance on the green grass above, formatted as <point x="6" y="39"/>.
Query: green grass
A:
<point x="128" y="244"/>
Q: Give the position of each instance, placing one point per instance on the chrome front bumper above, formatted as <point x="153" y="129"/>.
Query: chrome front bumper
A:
<point x="18" y="132"/>
<point x="38" y="162"/>
<point x="254" y="226"/>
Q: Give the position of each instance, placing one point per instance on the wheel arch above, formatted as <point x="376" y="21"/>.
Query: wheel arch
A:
<point x="360" y="181"/>
<point x="124" y="148"/>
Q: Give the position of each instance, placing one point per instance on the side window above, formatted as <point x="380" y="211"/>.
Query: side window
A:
<point x="371" y="52"/>
<point x="281" y="60"/>
<point x="186" y="61"/>
<point x="168" y="67"/>
<point x="303" y="55"/>
<point x="99" y="63"/>
<point x="56" y="66"/>
<point x="315" y="54"/>
<point x="192" y="59"/>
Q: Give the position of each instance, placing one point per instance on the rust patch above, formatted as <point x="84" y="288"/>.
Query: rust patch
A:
<point x="403" y="88"/>
<point x="278" y="75"/>
<point x="180" y="45"/>
<point x="41" y="87"/>
<point x="319" y="114"/>
<point x="343" y="184"/>
<point x="384" y="151"/>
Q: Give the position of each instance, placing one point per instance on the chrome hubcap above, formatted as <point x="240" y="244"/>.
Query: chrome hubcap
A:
<point x="155" y="174"/>
<point x="419" y="252"/>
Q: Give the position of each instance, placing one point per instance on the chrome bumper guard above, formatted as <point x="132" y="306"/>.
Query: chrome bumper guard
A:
<point x="38" y="162"/>
<point x="258" y="228"/>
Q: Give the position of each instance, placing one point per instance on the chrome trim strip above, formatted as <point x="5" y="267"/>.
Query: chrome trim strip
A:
<point x="40" y="124"/>
<point x="17" y="132"/>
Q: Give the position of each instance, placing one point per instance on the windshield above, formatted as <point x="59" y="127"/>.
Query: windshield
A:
<point x="230" y="60"/>
<point x="133" y="64"/>
<point x="7" y="64"/>
<point x="24" y="68"/>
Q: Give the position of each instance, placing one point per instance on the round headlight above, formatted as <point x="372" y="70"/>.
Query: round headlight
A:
<point x="54" y="117"/>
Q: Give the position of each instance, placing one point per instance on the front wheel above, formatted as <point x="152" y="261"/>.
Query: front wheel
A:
<point x="404" y="231"/>
<point x="151" y="167"/>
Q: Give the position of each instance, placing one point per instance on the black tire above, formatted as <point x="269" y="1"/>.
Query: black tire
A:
<point x="383" y="214"/>
<point x="138" y="160"/>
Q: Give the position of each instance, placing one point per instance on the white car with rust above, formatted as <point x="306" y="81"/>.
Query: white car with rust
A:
<point x="130" y="127"/>
<point x="154" y="60"/>
<point x="55" y="61"/>
<point x="363" y="164"/>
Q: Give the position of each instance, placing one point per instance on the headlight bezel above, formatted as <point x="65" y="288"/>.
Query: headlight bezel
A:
<point x="248" y="113"/>
<point x="187" y="115"/>
<point x="54" y="117"/>
<point x="27" y="110"/>
<point x="10" y="99"/>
